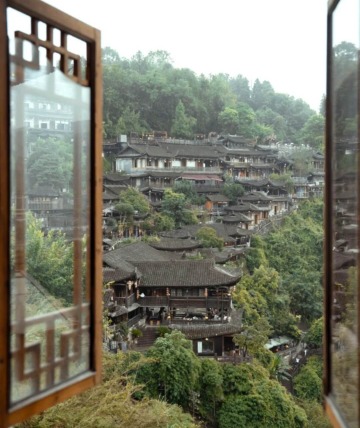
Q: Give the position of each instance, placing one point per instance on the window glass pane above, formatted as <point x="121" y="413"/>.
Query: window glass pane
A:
<point x="50" y="308"/>
<point x="345" y="178"/>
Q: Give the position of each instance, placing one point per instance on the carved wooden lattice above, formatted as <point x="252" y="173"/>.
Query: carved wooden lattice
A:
<point x="51" y="348"/>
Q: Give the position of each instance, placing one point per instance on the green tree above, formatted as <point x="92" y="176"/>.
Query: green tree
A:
<point x="279" y="368"/>
<point x="187" y="188"/>
<point x="262" y="94"/>
<point x="253" y="337"/>
<point x="183" y="125"/>
<point x="174" y="372"/>
<point x="295" y="251"/>
<point x="308" y="383"/>
<point x="50" y="164"/>
<point x="313" y="132"/>
<point x="273" y="120"/>
<point x="109" y="56"/>
<point x="210" y="388"/>
<point x="133" y="197"/>
<point x="209" y="238"/>
<point x="163" y="222"/>
<point x="174" y="205"/>
<point x="285" y="179"/>
<point x="315" y="414"/>
<point x="130" y="121"/>
<point x="125" y="210"/>
<point x="253" y="400"/>
<point x="233" y="191"/>
<point x="302" y="161"/>
<point x="247" y="120"/>
<point x="262" y="296"/>
<point x="240" y="87"/>
<point x="229" y="121"/>
<point x="111" y="404"/>
<point x="49" y="259"/>
<point x="314" y="336"/>
<point x="256" y="255"/>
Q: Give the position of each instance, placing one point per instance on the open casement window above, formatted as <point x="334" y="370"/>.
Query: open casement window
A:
<point x="50" y="201"/>
<point x="342" y="214"/>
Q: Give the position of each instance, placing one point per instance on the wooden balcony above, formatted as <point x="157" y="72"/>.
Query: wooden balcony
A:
<point x="125" y="301"/>
<point x="186" y="302"/>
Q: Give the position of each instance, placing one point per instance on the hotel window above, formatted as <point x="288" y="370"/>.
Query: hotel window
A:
<point x="342" y="214"/>
<point x="50" y="341"/>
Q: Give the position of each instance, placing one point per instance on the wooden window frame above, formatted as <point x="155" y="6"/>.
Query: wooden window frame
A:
<point x="10" y="415"/>
<point x="331" y="408"/>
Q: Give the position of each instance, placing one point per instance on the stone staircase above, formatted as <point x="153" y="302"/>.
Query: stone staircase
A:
<point x="147" y="339"/>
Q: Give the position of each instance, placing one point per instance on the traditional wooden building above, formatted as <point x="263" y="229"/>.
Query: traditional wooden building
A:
<point x="155" y="287"/>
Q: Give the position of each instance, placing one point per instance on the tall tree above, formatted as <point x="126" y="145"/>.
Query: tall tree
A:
<point x="174" y="372"/>
<point x="133" y="197"/>
<point x="49" y="260"/>
<point x="183" y="125"/>
<point x="174" y="205"/>
<point x="50" y="164"/>
<point x="313" y="132"/>
<point x="253" y="400"/>
<point x="229" y="121"/>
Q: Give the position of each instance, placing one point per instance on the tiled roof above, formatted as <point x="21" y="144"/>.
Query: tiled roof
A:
<point x="113" y="178"/>
<point x="171" y="150"/>
<point x="217" y="198"/>
<point x="183" y="273"/>
<point x="175" y="244"/>
<point x="109" y="196"/>
<point x="235" y="139"/>
<point x="122" y="271"/>
<point x="227" y="253"/>
<point x="201" y="177"/>
<point x="263" y="166"/>
<point x="121" y="310"/>
<point x="256" y="196"/>
<point x="237" y="218"/>
<point x="136" y="252"/>
<point x="201" y="331"/>
<point x="225" y="231"/>
<point x="243" y="207"/>
<point x="260" y="183"/>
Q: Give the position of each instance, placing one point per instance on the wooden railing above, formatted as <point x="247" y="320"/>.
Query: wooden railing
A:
<point x="184" y="302"/>
<point x="134" y="320"/>
<point x="125" y="301"/>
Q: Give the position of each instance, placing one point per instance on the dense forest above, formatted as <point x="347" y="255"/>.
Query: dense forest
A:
<point x="146" y="93"/>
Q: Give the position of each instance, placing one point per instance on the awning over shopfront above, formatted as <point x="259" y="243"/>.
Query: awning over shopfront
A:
<point x="278" y="341"/>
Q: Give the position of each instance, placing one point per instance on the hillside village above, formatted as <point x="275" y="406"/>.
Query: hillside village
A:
<point x="173" y="281"/>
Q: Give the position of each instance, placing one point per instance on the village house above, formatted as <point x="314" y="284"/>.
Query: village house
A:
<point x="140" y="158"/>
<point x="152" y="287"/>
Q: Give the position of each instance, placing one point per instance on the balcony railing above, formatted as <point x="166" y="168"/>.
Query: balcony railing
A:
<point x="125" y="301"/>
<point x="213" y="169"/>
<point x="134" y="320"/>
<point x="185" y="302"/>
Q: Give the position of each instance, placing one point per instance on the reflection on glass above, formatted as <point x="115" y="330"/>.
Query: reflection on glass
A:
<point x="345" y="363"/>
<point x="49" y="226"/>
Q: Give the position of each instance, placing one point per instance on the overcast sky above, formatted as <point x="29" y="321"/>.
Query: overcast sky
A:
<point x="282" y="41"/>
